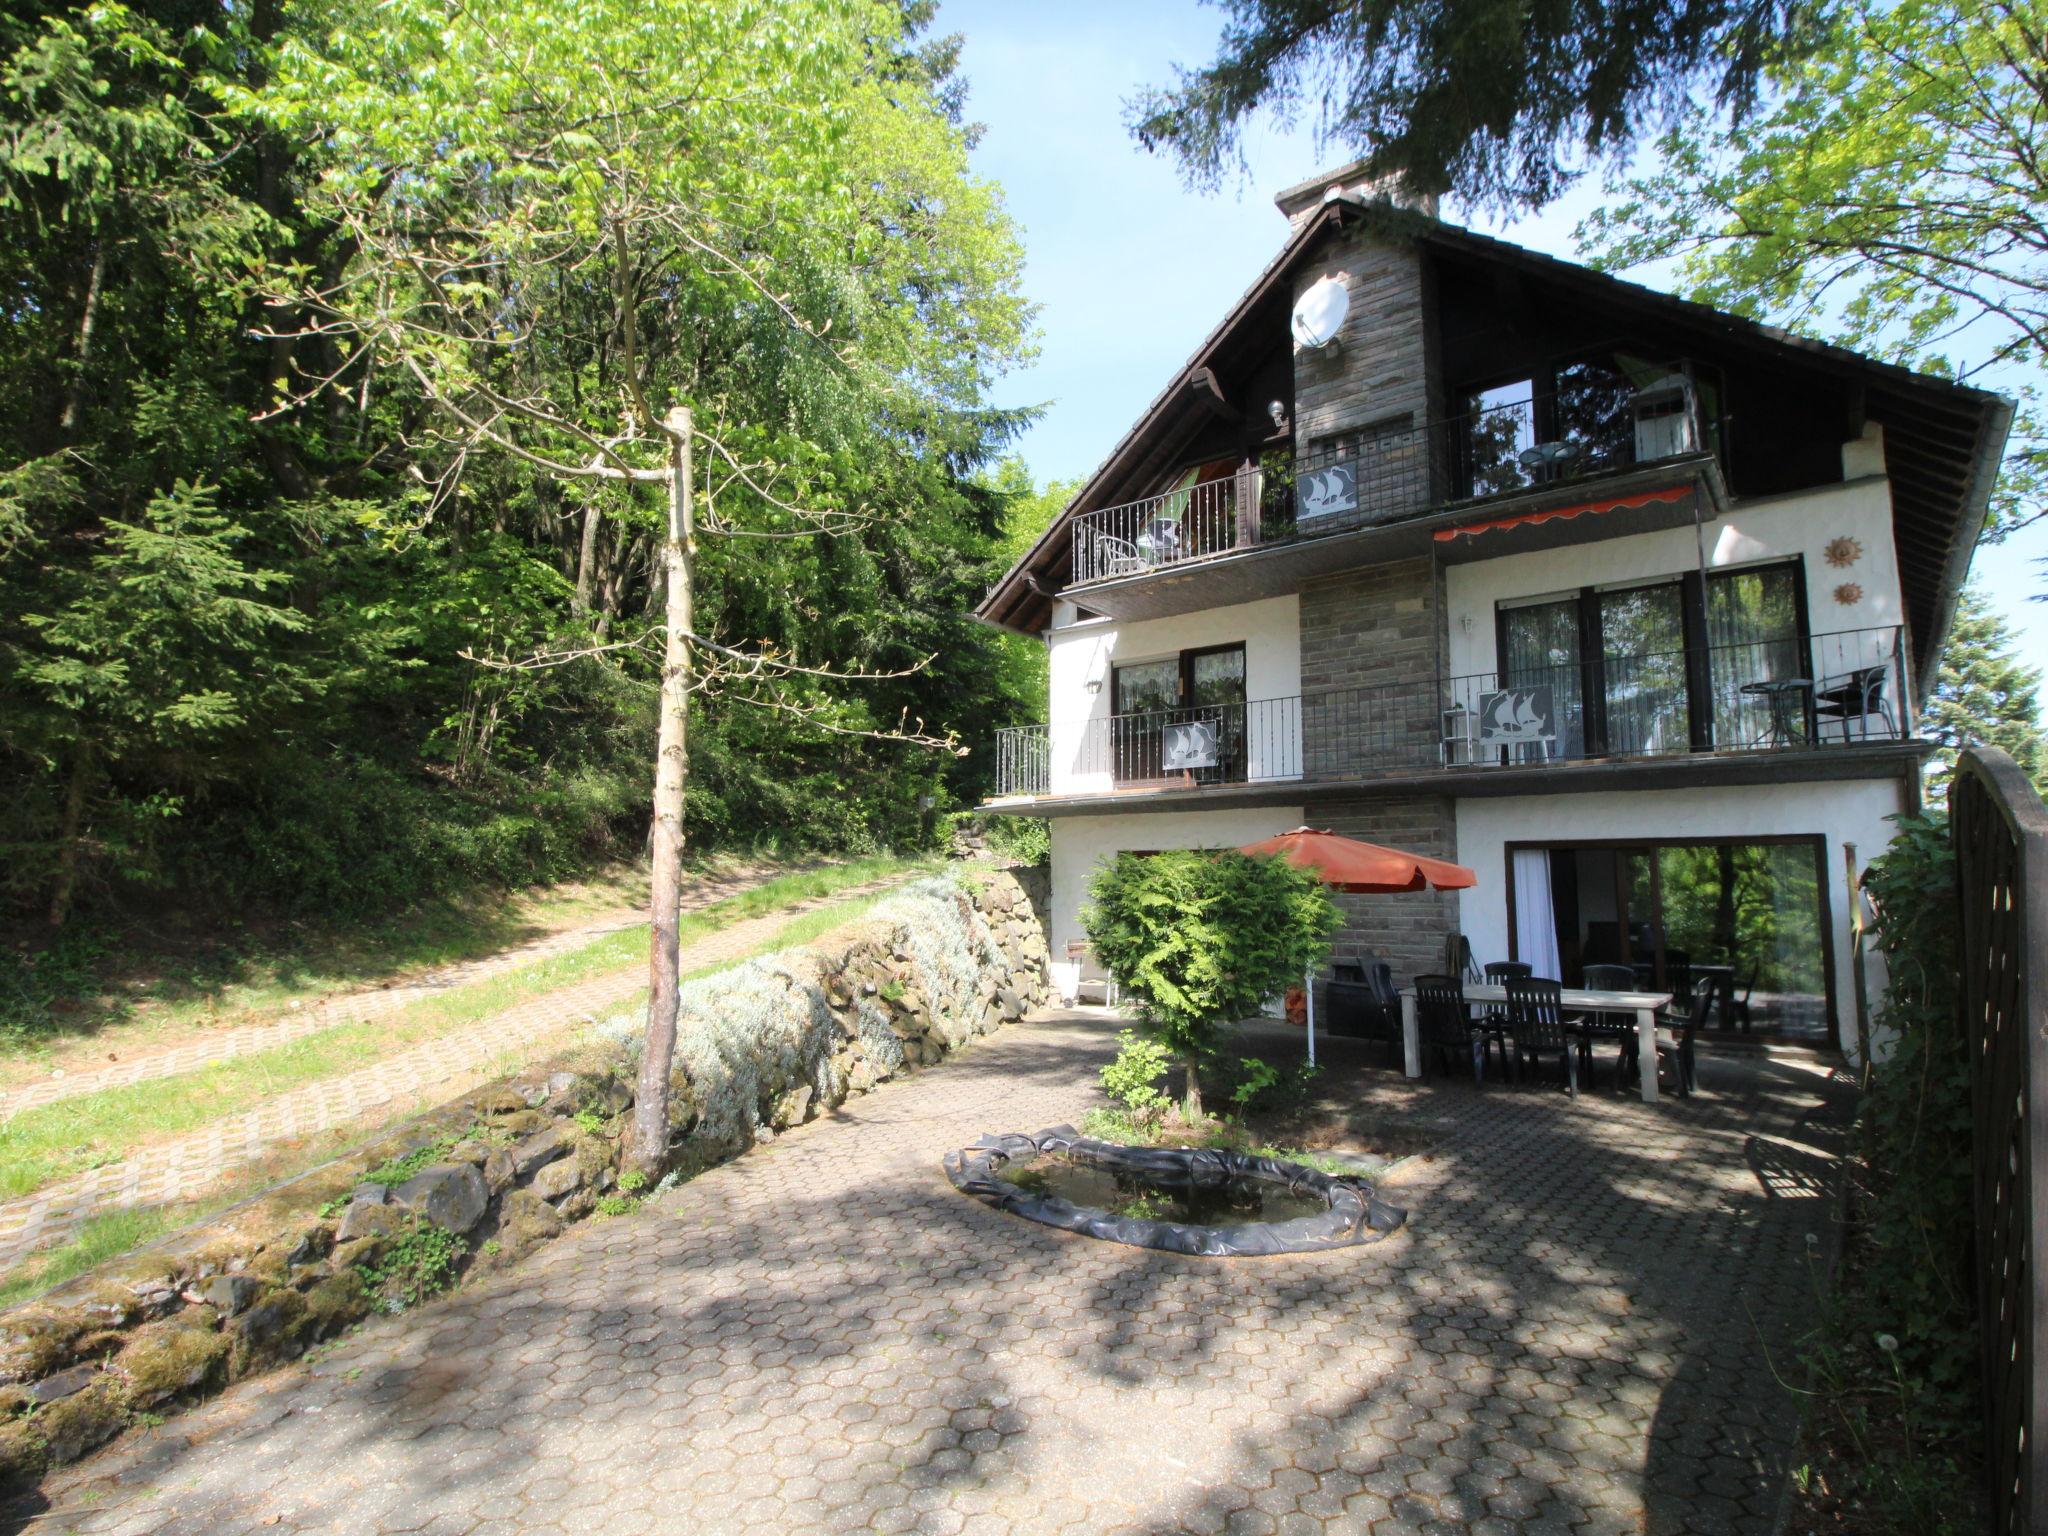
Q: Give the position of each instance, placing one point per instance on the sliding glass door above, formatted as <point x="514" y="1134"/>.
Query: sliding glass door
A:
<point x="1755" y="661"/>
<point x="1540" y="649"/>
<point x="1642" y="667"/>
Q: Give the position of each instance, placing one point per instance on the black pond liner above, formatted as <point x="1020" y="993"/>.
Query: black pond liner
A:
<point x="1355" y="1214"/>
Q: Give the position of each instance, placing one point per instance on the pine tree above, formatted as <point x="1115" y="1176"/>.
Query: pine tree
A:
<point x="1984" y="696"/>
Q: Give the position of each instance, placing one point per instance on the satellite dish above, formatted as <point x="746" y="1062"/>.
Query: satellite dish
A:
<point x="1319" y="313"/>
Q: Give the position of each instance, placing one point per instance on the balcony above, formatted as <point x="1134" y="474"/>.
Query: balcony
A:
<point x="1387" y="475"/>
<point x="1825" y="693"/>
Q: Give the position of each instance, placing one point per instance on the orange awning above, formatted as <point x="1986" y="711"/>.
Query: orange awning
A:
<point x="1551" y="514"/>
<point x="1346" y="864"/>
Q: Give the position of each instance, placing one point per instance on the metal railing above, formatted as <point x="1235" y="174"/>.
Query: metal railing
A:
<point x="1378" y="474"/>
<point x="1823" y="691"/>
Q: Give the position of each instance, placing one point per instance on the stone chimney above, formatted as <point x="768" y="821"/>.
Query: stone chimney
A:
<point x="1302" y="199"/>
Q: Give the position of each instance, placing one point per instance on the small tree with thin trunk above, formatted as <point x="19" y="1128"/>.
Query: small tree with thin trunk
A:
<point x="694" y="250"/>
<point x="1200" y="939"/>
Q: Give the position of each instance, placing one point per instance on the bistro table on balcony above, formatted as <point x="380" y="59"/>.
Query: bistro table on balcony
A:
<point x="1791" y="705"/>
<point x="1644" y="1005"/>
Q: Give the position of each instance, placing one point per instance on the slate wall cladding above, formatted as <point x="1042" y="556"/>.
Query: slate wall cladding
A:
<point x="1379" y="374"/>
<point x="1407" y="931"/>
<point x="1370" y="643"/>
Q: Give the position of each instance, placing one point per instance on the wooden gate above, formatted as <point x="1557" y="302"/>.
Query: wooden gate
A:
<point x="2001" y="840"/>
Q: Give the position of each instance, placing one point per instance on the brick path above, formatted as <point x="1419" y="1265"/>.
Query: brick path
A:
<point x="171" y="1171"/>
<point x="822" y="1336"/>
<point x="355" y="1007"/>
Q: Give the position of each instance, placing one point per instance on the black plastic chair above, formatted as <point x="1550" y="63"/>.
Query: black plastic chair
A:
<point x="1738" y="1003"/>
<point x="1675" y="1039"/>
<point x="1613" y="1027"/>
<point x="1610" y="978"/>
<point x="1495" y="1020"/>
<point x="1458" y="959"/>
<point x="1536" y="1018"/>
<point x="1856" y="696"/>
<point x="1445" y="1026"/>
<point x="1678" y="973"/>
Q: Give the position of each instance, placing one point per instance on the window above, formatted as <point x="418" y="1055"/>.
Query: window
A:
<point x="1667" y="666"/>
<point x="1149" y="699"/>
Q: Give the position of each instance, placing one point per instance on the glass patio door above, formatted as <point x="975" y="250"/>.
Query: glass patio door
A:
<point x="1215" y="696"/>
<point x="1642" y="670"/>
<point x="1755" y="662"/>
<point x="1143" y="698"/>
<point x="1540" y="649"/>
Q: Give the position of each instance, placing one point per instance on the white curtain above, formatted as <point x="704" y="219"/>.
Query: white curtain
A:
<point x="1535" y="916"/>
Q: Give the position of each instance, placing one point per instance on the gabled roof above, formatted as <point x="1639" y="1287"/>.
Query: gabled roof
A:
<point x="1943" y="440"/>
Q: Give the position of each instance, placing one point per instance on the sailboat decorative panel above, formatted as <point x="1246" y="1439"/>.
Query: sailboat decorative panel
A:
<point x="1517" y="715"/>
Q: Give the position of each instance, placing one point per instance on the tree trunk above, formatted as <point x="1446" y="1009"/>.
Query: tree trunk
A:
<point x="586" y="560"/>
<point x="70" y="833"/>
<point x="1191" y="1105"/>
<point x="649" y="1151"/>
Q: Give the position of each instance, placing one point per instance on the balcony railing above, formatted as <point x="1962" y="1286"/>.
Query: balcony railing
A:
<point x="1825" y="691"/>
<point x="1382" y="473"/>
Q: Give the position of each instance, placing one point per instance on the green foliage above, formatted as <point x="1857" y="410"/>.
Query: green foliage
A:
<point x="1256" y="1079"/>
<point x="590" y="1120"/>
<point x="239" y="606"/>
<point x="1132" y="1079"/>
<point x="617" y="1204"/>
<point x="1895" y="1359"/>
<point x="1496" y="101"/>
<point x="632" y="1181"/>
<point x="1984" y="695"/>
<point x="397" y="1170"/>
<point x="1890" y="197"/>
<point x="422" y="1260"/>
<point x="1198" y="939"/>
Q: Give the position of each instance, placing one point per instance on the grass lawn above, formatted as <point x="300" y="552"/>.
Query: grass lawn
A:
<point x="53" y="1141"/>
<point x="160" y="979"/>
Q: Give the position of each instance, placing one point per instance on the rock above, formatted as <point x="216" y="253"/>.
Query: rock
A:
<point x="475" y="1153"/>
<point x="81" y="1422"/>
<point x="312" y="1245"/>
<point x="1013" y="1005"/>
<point x="498" y="1171"/>
<point x="536" y="1150"/>
<point x="562" y="1090"/>
<point x="165" y="1359"/>
<point x="532" y="1094"/>
<point x="232" y="1294"/>
<point x="792" y="1108"/>
<point x="524" y="1221"/>
<point x="554" y="1180"/>
<point x="493" y="1102"/>
<point x="23" y="1452"/>
<point x="861" y="1078"/>
<point x="526" y="1122"/>
<point x="333" y="1304"/>
<point x="54" y="1389"/>
<point x="33" y="1344"/>
<point x="368" y="1218"/>
<point x="450" y="1195"/>
<point x="269" y="1332"/>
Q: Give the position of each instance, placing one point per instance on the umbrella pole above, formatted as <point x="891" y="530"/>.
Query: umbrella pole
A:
<point x="1308" y="987"/>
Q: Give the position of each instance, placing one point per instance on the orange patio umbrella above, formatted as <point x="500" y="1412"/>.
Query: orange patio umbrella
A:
<point x="1358" y="868"/>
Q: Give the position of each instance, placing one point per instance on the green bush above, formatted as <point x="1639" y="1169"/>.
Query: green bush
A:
<point x="1132" y="1079"/>
<point x="1894" y="1361"/>
<point x="1199" y="939"/>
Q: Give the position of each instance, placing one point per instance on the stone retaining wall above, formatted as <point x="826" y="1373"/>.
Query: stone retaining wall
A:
<point x="479" y="1182"/>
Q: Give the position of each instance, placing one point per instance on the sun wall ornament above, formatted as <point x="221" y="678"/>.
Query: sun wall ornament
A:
<point x="1848" y="594"/>
<point x="1842" y="552"/>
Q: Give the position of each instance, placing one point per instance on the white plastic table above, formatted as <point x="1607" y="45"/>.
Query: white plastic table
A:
<point x="1643" y="1005"/>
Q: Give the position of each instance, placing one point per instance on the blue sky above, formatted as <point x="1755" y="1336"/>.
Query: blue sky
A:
<point x="1132" y="270"/>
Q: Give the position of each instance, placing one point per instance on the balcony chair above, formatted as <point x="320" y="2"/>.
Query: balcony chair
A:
<point x="1678" y="974"/>
<point x="1112" y="556"/>
<point x="1536" y="1019"/>
<point x="1856" y="696"/>
<point x="1093" y="973"/>
<point x="1446" y="1029"/>
<point x="1738" y="1002"/>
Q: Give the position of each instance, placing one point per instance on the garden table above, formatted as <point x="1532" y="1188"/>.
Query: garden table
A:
<point x="1643" y="1005"/>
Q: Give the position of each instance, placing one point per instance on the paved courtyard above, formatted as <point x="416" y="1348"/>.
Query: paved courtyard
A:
<point x="822" y="1336"/>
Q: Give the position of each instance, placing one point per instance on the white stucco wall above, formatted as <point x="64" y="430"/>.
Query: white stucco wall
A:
<point x="1846" y="811"/>
<point x="1081" y="653"/>
<point x="1079" y="843"/>
<point x="1752" y="533"/>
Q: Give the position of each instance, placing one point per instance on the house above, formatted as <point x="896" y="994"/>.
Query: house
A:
<point x="1628" y="604"/>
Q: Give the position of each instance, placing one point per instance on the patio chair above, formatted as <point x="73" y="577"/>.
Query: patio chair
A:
<point x="1093" y="975"/>
<point x="1113" y="556"/>
<point x="1738" y="1002"/>
<point x="1536" y="1017"/>
<point x="1497" y="973"/>
<point x="1616" y="1027"/>
<point x="1446" y="1028"/>
<point x="1458" y="959"/>
<point x="1856" y="696"/>
<point x="1610" y="978"/>
<point x="1678" y="973"/>
<point x="1675" y="1043"/>
<point x="1360" y="1010"/>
